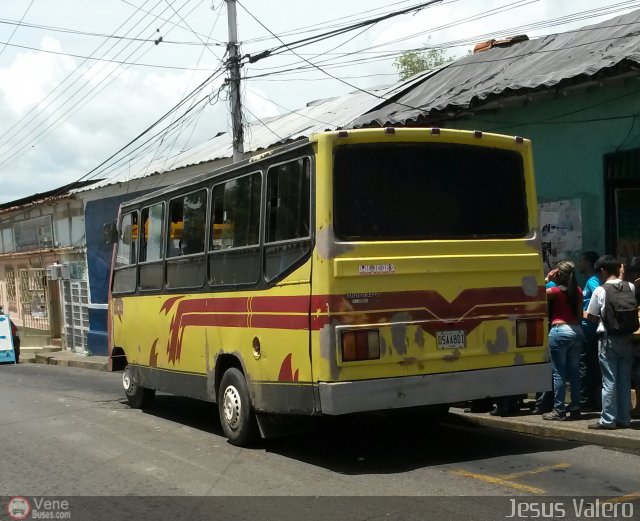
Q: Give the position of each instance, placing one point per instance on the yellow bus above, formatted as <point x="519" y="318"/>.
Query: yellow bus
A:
<point x="352" y="271"/>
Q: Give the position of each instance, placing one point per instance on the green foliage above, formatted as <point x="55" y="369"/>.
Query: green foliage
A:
<point x="413" y="62"/>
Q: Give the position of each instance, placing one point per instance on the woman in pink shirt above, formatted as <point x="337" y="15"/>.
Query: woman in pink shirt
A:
<point x="565" y="339"/>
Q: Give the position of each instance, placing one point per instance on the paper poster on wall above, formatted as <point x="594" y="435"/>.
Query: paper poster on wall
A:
<point x="6" y="341"/>
<point x="560" y="230"/>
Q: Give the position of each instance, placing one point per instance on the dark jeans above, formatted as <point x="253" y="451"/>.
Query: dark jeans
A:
<point x="590" y="375"/>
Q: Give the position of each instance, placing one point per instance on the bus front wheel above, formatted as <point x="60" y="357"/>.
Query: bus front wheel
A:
<point x="234" y="407"/>
<point x="138" y="397"/>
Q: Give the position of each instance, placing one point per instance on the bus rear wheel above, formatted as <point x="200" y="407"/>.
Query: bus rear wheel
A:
<point x="138" y="397"/>
<point x="234" y="407"/>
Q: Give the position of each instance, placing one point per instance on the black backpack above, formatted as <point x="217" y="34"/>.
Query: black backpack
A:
<point x="620" y="309"/>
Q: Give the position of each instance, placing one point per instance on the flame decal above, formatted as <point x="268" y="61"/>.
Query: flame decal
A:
<point x="286" y="371"/>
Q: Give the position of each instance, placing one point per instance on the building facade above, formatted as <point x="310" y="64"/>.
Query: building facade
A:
<point x="43" y="276"/>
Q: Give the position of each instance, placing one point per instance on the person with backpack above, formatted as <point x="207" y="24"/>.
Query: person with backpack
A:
<point x="614" y="308"/>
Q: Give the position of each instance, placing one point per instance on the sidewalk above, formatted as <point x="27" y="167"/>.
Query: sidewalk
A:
<point x="66" y="359"/>
<point x="565" y="430"/>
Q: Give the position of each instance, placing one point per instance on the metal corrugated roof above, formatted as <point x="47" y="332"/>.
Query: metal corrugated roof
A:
<point x="550" y="61"/>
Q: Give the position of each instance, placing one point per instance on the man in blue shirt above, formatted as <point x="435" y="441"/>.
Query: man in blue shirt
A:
<point x="590" y="376"/>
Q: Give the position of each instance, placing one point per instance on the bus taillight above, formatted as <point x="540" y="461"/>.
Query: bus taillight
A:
<point x="530" y="333"/>
<point x="360" y="345"/>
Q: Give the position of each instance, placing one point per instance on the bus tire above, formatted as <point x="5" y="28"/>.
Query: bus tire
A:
<point x="138" y="397"/>
<point x="237" y="417"/>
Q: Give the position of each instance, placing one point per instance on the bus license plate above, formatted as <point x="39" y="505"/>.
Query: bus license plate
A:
<point x="454" y="339"/>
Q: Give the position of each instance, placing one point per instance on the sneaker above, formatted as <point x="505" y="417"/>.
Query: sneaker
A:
<point x="575" y="415"/>
<point x="537" y="410"/>
<point x="601" y="426"/>
<point x="622" y="425"/>
<point x="555" y="415"/>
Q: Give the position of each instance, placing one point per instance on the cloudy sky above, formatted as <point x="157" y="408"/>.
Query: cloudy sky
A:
<point x="63" y="112"/>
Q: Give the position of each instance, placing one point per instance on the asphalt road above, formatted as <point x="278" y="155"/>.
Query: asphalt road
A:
<point x="69" y="432"/>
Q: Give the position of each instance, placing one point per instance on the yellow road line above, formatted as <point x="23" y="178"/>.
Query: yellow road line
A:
<point x="499" y="481"/>
<point x="634" y="496"/>
<point x="539" y="470"/>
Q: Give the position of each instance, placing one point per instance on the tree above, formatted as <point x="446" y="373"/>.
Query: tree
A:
<point x="413" y="62"/>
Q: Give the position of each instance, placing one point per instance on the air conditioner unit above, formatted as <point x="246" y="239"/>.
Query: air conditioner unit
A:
<point x="58" y="272"/>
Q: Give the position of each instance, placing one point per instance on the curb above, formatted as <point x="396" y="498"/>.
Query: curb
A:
<point x="602" y="438"/>
<point x="51" y="359"/>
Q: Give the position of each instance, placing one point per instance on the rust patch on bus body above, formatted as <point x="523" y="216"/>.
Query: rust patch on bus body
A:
<point x="153" y="354"/>
<point x="419" y="337"/>
<point x="452" y="357"/>
<point x="399" y="332"/>
<point x="530" y="286"/>
<point x="328" y="349"/>
<point x="328" y="247"/>
<point x="501" y="343"/>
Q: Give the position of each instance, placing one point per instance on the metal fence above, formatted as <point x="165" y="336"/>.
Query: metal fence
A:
<point x="12" y="296"/>
<point x="34" y="300"/>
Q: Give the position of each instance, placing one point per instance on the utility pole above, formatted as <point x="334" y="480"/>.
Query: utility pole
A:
<point x="234" y="83"/>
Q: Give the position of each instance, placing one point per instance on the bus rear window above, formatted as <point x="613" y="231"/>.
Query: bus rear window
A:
<point x="414" y="191"/>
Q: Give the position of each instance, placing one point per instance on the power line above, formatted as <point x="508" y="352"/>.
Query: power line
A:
<point x="581" y="15"/>
<point x="4" y="161"/>
<point x="166" y="20"/>
<point x="320" y="37"/>
<point x="106" y="60"/>
<point x="65" y="30"/>
<point x="16" y="27"/>
<point x="10" y="130"/>
<point x="215" y="22"/>
<point x="96" y="171"/>
<point x="484" y="14"/>
<point x="319" y="68"/>
<point x="441" y="46"/>
<point x="170" y="4"/>
<point x="292" y="111"/>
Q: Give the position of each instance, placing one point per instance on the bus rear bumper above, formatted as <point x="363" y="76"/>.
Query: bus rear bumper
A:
<point x="412" y="391"/>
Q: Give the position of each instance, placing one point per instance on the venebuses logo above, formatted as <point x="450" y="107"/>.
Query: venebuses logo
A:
<point x="18" y="508"/>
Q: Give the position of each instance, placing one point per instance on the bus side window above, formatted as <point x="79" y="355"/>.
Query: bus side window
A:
<point x="151" y="265"/>
<point x="235" y="231"/>
<point x="124" y="277"/>
<point x="186" y="237"/>
<point x="288" y="235"/>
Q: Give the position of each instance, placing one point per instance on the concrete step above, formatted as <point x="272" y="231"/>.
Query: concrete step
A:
<point x="44" y="349"/>
<point x="69" y="359"/>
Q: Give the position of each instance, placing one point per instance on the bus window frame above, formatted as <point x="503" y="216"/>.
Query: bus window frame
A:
<point x="261" y="225"/>
<point x="134" y="265"/>
<point x="163" y="249"/>
<point x="230" y="172"/>
<point x="189" y="256"/>
<point x="309" y="238"/>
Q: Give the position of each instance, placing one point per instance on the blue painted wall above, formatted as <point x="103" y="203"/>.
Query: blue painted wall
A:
<point x="571" y="135"/>
<point x="97" y="213"/>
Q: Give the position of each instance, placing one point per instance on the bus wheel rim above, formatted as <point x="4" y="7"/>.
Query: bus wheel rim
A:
<point x="126" y="379"/>
<point x="232" y="406"/>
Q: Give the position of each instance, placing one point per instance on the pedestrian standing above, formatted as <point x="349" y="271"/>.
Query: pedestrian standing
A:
<point x="614" y="308"/>
<point x="565" y="339"/>
<point x="590" y="377"/>
<point x="633" y="273"/>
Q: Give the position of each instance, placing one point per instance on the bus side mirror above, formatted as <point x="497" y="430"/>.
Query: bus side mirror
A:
<point x="110" y="232"/>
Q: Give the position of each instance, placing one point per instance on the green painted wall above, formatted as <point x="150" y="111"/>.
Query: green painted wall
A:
<point x="571" y="134"/>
